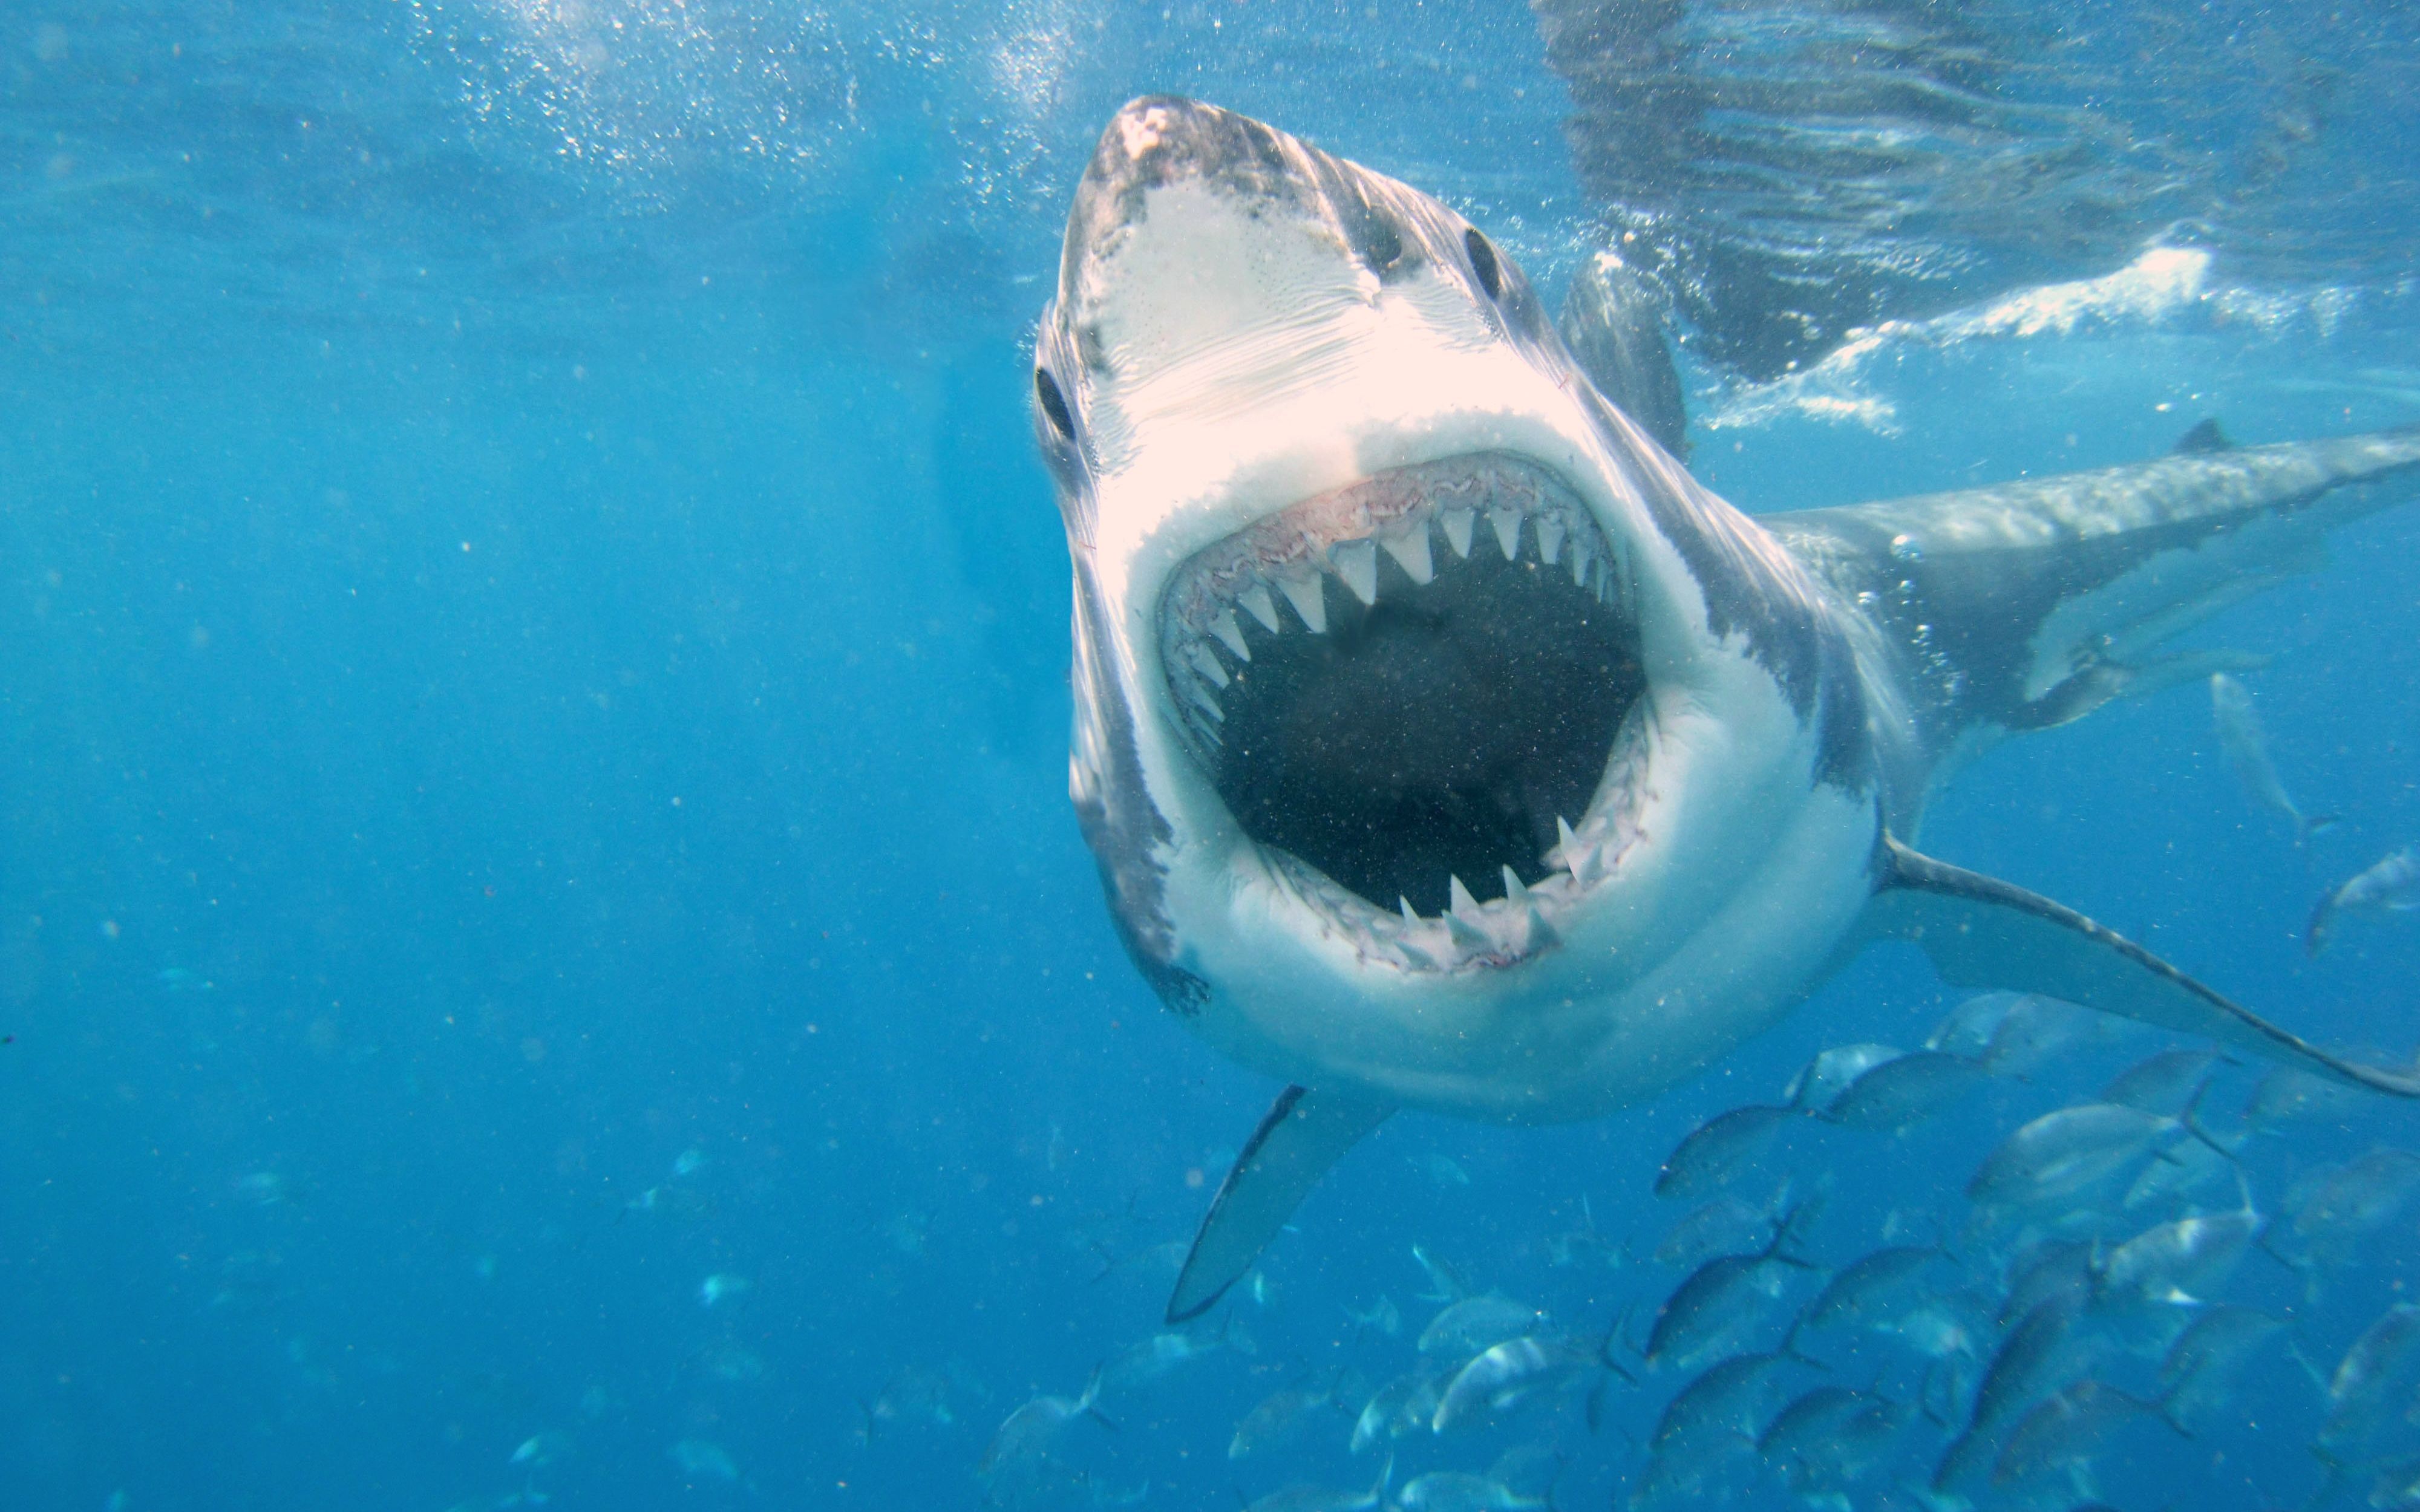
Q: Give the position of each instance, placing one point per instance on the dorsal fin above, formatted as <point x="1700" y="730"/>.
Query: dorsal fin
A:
<point x="2204" y="439"/>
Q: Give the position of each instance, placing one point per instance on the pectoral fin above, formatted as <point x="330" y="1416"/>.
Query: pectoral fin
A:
<point x="1304" y="1133"/>
<point x="1981" y="932"/>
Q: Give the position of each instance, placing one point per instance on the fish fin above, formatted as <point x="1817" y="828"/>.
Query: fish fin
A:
<point x="1800" y="1215"/>
<point x="1617" y="1332"/>
<point x="2038" y="601"/>
<point x="2205" y="438"/>
<point x="2306" y="826"/>
<point x="1981" y="932"/>
<point x="1303" y="1133"/>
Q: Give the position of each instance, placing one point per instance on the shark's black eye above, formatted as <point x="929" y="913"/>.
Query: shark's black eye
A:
<point x="1054" y="403"/>
<point x="1483" y="262"/>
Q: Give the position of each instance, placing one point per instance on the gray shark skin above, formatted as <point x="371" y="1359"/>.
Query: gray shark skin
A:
<point x="1443" y="743"/>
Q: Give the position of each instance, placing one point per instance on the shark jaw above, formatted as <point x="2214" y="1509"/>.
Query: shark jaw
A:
<point x="1410" y="754"/>
<point x="1411" y="686"/>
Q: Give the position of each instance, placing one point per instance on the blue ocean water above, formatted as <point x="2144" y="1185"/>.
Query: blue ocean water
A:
<point x="543" y="951"/>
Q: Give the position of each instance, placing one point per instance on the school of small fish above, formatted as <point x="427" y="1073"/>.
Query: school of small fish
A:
<point x="2086" y="1282"/>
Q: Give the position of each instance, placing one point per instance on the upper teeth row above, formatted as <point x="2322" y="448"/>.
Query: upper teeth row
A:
<point x="1471" y="503"/>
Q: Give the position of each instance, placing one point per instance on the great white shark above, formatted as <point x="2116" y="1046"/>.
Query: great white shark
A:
<point x="1444" y="745"/>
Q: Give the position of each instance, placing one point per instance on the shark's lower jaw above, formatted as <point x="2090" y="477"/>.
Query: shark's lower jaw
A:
<point x="1413" y="695"/>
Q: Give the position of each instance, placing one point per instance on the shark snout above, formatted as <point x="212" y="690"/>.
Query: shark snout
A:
<point x="1264" y="218"/>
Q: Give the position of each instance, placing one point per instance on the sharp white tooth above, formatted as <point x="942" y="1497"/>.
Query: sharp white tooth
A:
<point x="1256" y="603"/>
<point x="1550" y="538"/>
<point x="1411" y="919"/>
<point x="1458" y="897"/>
<point x="1357" y="563"/>
<point x="1203" y="700"/>
<point x="1515" y="894"/>
<point x="1468" y="938"/>
<point x="1410" y="550"/>
<point x="1207" y="661"/>
<point x="1567" y="845"/>
<point x="1457" y="523"/>
<point x="1415" y="956"/>
<point x="1541" y="933"/>
<point x="1506" y="523"/>
<point x="1304" y="593"/>
<point x="1230" y="635"/>
<point x="1580" y="563"/>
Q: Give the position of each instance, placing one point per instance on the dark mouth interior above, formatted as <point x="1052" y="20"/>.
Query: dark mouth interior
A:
<point x="1439" y="733"/>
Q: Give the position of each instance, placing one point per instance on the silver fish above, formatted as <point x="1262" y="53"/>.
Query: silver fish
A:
<point x="2349" y="1202"/>
<point x="1858" y="1293"/>
<point x="2034" y="1030"/>
<point x="1725" y="1225"/>
<point x="1458" y="1491"/>
<point x="2165" y="1083"/>
<point x="1830" y="1438"/>
<point x="1721" y="1301"/>
<point x="2056" y="1267"/>
<point x="2200" y="1367"/>
<point x="1503" y="1377"/>
<point x="1307" y="1498"/>
<point x="2367" y="1393"/>
<point x="1398" y="1407"/>
<point x="2391" y="885"/>
<point x="2286" y="1095"/>
<point x="1824" y="1077"/>
<point x="2061" y="1153"/>
<point x="2040" y="1350"/>
<point x="1026" y="1435"/>
<point x="2178" y="1264"/>
<point x="1713" y="1152"/>
<point x="2064" y="1430"/>
<point x="1900" y="1093"/>
<point x="1475" y="1323"/>
<point x="1278" y="1418"/>
<point x="1152" y="1359"/>
<point x="1730" y="1399"/>
<point x="2247" y="750"/>
<point x="1967" y="1028"/>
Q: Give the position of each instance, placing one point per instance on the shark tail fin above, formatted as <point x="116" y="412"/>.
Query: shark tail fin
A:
<point x="1981" y="932"/>
<point x="1303" y="1133"/>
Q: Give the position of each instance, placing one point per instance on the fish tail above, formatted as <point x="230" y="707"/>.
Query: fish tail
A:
<point x="1088" y="1404"/>
<point x="2306" y="826"/>
<point x="2315" y="934"/>
<point x="1618" y="1332"/>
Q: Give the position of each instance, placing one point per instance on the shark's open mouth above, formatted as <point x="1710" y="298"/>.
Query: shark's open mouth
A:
<point x="1415" y="685"/>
